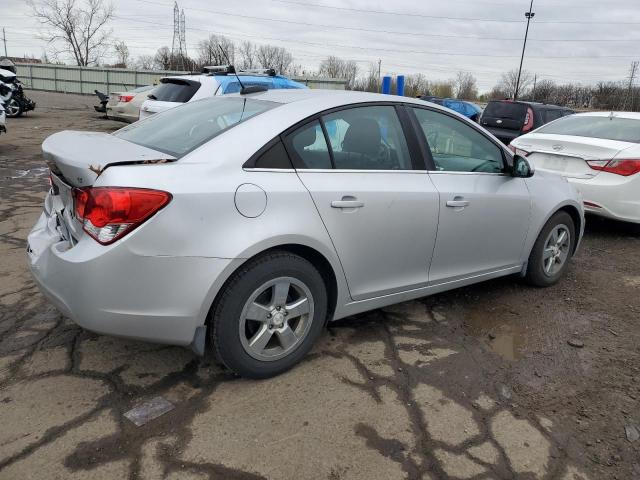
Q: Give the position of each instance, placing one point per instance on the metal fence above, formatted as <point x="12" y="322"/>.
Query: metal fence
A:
<point x="84" y="80"/>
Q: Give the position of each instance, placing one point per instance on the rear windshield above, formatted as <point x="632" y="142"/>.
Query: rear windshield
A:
<point x="609" y="128"/>
<point x="514" y="111"/>
<point x="142" y="89"/>
<point x="180" y="130"/>
<point x="175" y="90"/>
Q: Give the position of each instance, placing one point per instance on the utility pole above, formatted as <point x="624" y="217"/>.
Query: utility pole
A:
<point x="529" y="16"/>
<point x="379" y="66"/>
<point x="4" y="39"/>
<point x="633" y="71"/>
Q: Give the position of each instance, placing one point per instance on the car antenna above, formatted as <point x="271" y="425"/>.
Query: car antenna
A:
<point x="243" y="90"/>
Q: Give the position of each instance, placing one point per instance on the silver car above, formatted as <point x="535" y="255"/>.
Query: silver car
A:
<point x="256" y="219"/>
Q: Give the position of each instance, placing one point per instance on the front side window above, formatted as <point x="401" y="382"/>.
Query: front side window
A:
<point x="457" y="147"/>
<point x="367" y="138"/>
<point x="180" y="130"/>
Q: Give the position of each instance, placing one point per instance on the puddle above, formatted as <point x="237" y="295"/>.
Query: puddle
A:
<point x="505" y="339"/>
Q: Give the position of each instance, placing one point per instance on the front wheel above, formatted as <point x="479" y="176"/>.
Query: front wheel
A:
<point x="269" y="315"/>
<point x="551" y="253"/>
<point x="13" y="108"/>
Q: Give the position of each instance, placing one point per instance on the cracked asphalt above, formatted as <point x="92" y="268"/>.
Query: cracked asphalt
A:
<point x="478" y="383"/>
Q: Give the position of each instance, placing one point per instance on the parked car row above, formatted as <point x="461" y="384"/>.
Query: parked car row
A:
<point x="142" y="102"/>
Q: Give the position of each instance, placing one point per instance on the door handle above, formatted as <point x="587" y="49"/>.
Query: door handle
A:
<point x="347" y="202"/>
<point x="458" y="202"/>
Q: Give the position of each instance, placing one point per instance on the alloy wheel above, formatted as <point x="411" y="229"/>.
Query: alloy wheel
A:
<point x="276" y="318"/>
<point x="556" y="250"/>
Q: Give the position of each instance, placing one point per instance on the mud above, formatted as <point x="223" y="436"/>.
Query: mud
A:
<point x="476" y="383"/>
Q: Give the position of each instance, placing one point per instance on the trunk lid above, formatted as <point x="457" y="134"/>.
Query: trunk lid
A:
<point x="79" y="157"/>
<point x="568" y="155"/>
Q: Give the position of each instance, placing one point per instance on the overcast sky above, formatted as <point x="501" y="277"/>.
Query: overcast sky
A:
<point x="569" y="40"/>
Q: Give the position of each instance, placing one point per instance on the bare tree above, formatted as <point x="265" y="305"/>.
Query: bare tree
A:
<point x="442" y="88"/>
<point x="270" y="56"/>
<point x="79" y="26"/>
<point x="335" y="67"/>
<point x="247" y="52"/>
<point x="466" y="86"/>
<point x="162" y="58"/>
<point x="509" y="80"/>
<point x="145" y="62"/>
<point x="122" y="54"/>
<point x="215" y="50"/>
<point x="369" y="82"/>
<point x="416" y="85"/>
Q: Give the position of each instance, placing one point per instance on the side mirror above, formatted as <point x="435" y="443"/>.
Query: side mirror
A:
<point x="521" y="167"/>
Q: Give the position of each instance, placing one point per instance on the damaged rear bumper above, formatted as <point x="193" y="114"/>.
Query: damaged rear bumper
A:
<point x="115" y="291"/>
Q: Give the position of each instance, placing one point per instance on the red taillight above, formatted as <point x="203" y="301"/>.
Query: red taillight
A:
<point x="528" y="120"/>
<point x="624" y="167"/>
<point x="518" y="151"/>
<point x="126" y="98"/>
<point x="109" y="213"/>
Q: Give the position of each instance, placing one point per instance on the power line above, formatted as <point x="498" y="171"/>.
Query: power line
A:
<point x="419" y="15"/>
<point x="394" y="50"/>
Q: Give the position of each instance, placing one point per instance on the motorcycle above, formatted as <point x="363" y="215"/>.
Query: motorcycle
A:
<point x="16" y="102"/>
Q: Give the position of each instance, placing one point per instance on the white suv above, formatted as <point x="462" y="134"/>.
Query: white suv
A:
<point x="215" y="80"/>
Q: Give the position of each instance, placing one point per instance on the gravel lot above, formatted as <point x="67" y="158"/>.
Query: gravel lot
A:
<point x="476" y="383"/>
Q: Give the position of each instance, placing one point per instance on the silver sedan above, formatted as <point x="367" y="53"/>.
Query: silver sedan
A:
<point x="255" y="219"/>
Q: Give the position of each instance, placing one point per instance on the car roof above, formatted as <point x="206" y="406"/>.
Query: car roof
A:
<point x="223" y="79"/>
<point x="333" y="96"/>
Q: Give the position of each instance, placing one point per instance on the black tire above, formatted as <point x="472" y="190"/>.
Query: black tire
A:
<point x="536" y="275"/>
<point x="227" y="312"/>
<point x="16" y="104"/>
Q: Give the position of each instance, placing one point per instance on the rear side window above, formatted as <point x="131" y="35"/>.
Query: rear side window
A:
<point x="610" y="128"/>
<point x="308" y="147"/>
<point x="275" y="157"/>
<point x="234" y="87"/>
<point x="510" y="110"/>
<point x="175" y="90"/>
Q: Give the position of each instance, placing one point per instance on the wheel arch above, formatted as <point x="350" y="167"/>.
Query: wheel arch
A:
<point x="311" y="254"/>
<point x="574" y="213"/>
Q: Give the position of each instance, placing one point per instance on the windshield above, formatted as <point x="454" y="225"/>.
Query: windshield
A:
<point x="609" y="128"/>
<point x="180" y="130"/>
<point x="175" y="90"/>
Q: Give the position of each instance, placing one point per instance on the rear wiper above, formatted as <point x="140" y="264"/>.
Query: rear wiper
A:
<point x="151" y="96"/>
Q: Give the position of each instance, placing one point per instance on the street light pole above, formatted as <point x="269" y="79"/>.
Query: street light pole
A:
<point x="529" y="16"/>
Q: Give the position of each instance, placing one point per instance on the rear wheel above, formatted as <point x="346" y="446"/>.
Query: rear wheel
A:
<point x="551" y="252"/>
<point x="13" y="108"/>
<point x="269" y="315"/>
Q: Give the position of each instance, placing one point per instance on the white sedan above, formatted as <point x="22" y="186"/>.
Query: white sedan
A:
<point x="598" y="152"/>
<point x="125" y="106"/>
<point x="255" y="219"/>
